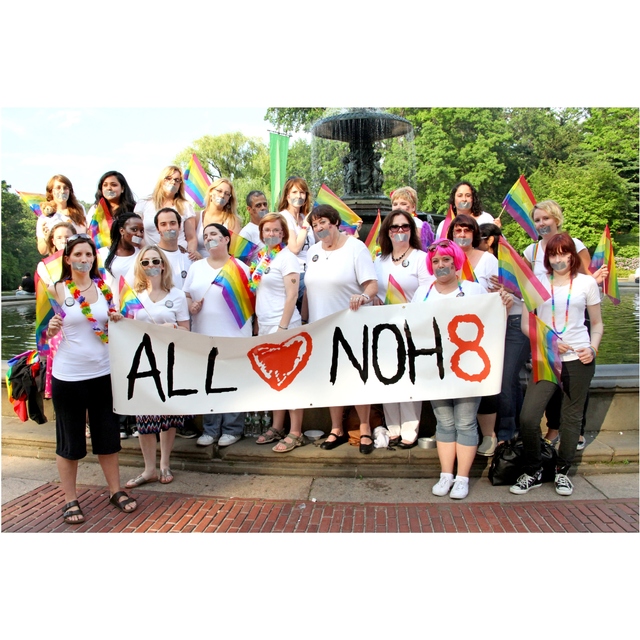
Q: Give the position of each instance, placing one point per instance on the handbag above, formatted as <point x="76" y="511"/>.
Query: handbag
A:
<point x="506" y="465"/>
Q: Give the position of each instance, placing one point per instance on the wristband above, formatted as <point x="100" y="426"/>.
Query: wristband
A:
<point x="595" y="351"/>
<point x="283" y="328"/>
<point x="364" y="295"/>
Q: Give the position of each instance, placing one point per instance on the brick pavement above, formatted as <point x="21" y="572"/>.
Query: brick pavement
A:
<point x="41" y="511"/>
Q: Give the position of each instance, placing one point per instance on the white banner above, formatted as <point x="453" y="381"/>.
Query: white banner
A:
<point x="395" y="353"/>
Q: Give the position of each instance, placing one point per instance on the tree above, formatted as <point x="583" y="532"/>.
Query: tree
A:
<point x="292" y="120"/>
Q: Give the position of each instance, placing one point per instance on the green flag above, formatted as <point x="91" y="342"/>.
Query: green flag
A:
<point x="279" y="150"/>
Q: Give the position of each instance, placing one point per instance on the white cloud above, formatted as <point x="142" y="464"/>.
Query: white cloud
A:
<point x="65" y="118"/>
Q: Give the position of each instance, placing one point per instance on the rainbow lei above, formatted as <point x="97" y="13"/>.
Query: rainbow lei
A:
<point x="553" y="307"/>
<point x="86" y="307"/>
<point x="260" y="265"/>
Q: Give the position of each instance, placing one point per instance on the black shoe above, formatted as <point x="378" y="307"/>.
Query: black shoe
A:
<point x="402" y="445"/>
<point x="187" y="433"/>
<point x="366" y="448"/>
<point x="332" y="444"/>
<point x="394" y="442"/>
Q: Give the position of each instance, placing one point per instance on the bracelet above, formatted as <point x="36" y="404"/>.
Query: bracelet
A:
<point x="283" y="328"/>
<point x="364" y="295"/>
<point x="595" y="351"/>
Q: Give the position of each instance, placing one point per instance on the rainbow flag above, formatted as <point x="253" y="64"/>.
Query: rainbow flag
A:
<point x="350" y="220"/>
<point x="544" y="351"/>
<point x="603" y="255"/>
<point x="129" y="301"/>
<point x="33" y="200"/>
<point x="467" y="272"/>
<point x="448" y="219"/>
<point x="519" y="202"/>
<point x="196" y="181"/>
<point x="53" y="265"/>
<point x="235" y="291"/>
<point x="20" y="404"/>
<point x="241" y="248"/>
<point x="44" y="314"/>
<point x="515" y="276"/>
<point x="100" y="225"/>
<point x="395" y="293"/>
<point x="372" y="238"/>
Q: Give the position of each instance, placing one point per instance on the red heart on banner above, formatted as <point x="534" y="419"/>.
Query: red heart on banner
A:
<point x="279" y="364"/>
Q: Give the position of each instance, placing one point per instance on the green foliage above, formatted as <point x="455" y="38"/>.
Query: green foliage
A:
<point x="19" y="251"/>
<point x="292" y="120"/>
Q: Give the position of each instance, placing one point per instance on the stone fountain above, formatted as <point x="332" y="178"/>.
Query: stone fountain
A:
<point x="363" y="176"/>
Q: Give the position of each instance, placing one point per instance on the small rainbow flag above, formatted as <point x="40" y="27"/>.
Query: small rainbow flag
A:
<point x="235" y="291"/>
<point x="395" y="293"/>
<point x="350" y="220"/>
<point x="44" y="314"/>
<point x="603" y="255"/>
<point x="196" y="181"/>
<point x="33" y="200"/>
<point x="467" y="272"/>
<point x="544" y="352"/>
<point x="519" y="202"/>
<point x="447" y="223"/>
<point x="129" y="301"/>
<point x="372" y="238"/>
<point x="241" y="248"/>
<point x="100" y="225"/>
<point x="53" y="265"/>
<point x="515" y="276"/>
<point x="20" y="404"/>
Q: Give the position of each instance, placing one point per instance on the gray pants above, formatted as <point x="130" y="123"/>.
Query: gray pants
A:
<point x="218" y="424"/>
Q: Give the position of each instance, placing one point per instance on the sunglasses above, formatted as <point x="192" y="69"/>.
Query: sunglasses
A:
<point x="73" y="238"/>
<point x="441" y="243"/>
<point x="154" y="261"/>
<point x="399" y="227"/>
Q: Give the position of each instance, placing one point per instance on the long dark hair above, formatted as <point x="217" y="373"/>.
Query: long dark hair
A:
<point x="116" y="236"/>
<point x="127" y="199"/>
<point x="476" y="205"/>
<point x="386" y="245"/>
<point x="72" y="242"/>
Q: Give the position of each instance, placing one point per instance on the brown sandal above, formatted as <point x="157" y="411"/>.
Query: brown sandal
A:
<point x="295" y="441"/>
<point x="270" y="435"/>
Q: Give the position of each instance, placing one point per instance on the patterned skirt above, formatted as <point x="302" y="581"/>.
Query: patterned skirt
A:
<point x="156" y="424"/>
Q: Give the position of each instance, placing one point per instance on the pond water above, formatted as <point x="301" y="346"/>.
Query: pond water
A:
<point x="619" y="344"/>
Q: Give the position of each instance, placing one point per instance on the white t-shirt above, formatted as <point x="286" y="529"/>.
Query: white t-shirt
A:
<point x="294" y="229"/>
<point x="431" y="293"/>
<point x="409" y="273"/>
<point x="121" y="266"/>
<point x="180" y="265"/>
<point x="172" y="308"/>
<point x="535" y="256"/>
<point x="215" y="318"/>
<point x="46" y="223"/>
<point x="271" y="295"/>
<point x="584" y="292"/>
<point x="487" y="266"/>
<point x="147" y="211"/>
<point x="334" y="276"/>
<point x="483" y="218"/>
<point x="251" y="232"/>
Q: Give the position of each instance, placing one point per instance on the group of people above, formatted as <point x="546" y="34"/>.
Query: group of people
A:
<point x="306" y="269"/>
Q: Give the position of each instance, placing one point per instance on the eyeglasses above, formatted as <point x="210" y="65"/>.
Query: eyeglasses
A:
<point x="226" y="194"/>
<point x="399" y="227"/>
<point x="441" y="243"/>
<point x="154" y="261"/>
<point x="174" y="180"/>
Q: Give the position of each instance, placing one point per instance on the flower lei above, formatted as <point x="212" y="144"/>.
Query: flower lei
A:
<point x="261" y="263"/>
<point x="85" y="307"/>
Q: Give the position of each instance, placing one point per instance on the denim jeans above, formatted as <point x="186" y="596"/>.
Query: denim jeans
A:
<point x="218" y="424"/>
<point x="576" y="378"/>
<point x="456" y="420"/>
<point x="516" y="353"/>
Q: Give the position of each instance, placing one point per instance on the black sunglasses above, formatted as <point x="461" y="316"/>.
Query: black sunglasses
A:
<point x="154" y="261"/>
<point x="399" y="227"/>
<point x="73" y="238"/>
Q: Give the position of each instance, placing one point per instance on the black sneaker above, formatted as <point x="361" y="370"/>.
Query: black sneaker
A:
<point x="185" y="432"/>
<point x="526" y="482"/>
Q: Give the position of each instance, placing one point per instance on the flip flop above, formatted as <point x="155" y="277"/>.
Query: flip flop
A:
<point x="139" y="481"/>
<point x="166" y="476"/>
<point x="121" y="504"/>
<point x="72" y="510"/>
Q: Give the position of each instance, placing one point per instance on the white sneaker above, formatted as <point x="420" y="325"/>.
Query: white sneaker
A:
<point x="582" y="443"/>
<point x="526" y="482"/>
<point x="460" y="489"/>
<point x="204" y="440"/>
<point x="487" y="446"/>
<point x="443" y="487"/>
<point x="227" y="440"/>
<point x="563" y="485"/>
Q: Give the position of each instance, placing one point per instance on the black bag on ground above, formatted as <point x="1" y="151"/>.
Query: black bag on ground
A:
<point x="506" y="465"/>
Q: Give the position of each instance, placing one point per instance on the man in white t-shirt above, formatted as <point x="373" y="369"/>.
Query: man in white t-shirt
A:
<point x="167" y="222"/>
<point x="257" y="207"/>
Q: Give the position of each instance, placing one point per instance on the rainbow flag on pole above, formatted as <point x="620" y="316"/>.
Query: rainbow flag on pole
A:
<point x="100" y="225"/>
<point x="243" y="249"/>
<point x="544" y="352"/>
<point x="53" y="265"/>
<point x="467" y="272"/>
<point x="515" y="276"/>
<point x="448" y="219"/>
<point x="235" y="291"/>
<point x="129" y="301"/>
<point x="372" y="238"/>
<point x="33" y="200"/>
<point x="44" y="314"/>
<point x="603" y="255"/>
<point x="196" y="181"/>
<point x="395" y="293"/>
<point x="519" y="202"/>
<point x="350" y="220"/>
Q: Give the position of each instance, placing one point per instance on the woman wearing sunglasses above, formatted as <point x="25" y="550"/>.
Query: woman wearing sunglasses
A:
<point x="401" y="259"/>
<point x="81" y="381"/>
<point x="163" y="304"/>
<point x="456" y="427"/>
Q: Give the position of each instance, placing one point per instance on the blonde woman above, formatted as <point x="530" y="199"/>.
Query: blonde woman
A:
<point x="220" y="207"/>
<point x="169" y="192"/>
<point x="165" y="305"/>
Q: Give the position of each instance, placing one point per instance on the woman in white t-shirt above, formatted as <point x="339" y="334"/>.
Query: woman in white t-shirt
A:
<point x="56" y="241"/>
<point x="465" y="199"/>
<point x="274" y="278"/>
<point x="165" y="305"/>
<point x="402" y="259"/>
<point x="340" y="275"/>
<point x="169" y="192"/>
<point x="564" y="313"/>
<point x="220" y="207"/>
<point x="115" y="190"/>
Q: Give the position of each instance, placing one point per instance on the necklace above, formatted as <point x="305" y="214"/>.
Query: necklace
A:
<point x="260" y="265"/>
<point x="86" y="307"/>
<point x="459" y="295"/>
<point x="82" y="290"/>
<point x="553" y="307"/>
<point x="400" y="257"/>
